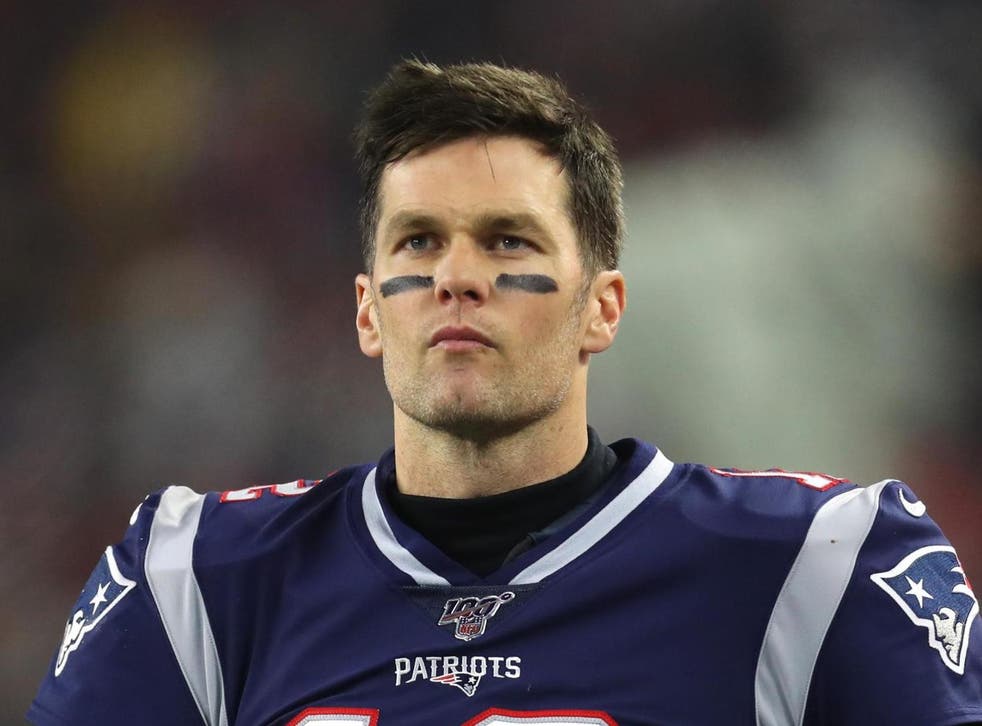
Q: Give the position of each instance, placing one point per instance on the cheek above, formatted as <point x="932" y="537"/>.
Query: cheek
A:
<point x="540" y="323"/>
<point x="396" y="318"/>
<point x="402" y="330"/>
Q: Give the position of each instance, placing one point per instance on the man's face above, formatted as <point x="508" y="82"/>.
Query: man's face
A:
<point x="476" y="301"/>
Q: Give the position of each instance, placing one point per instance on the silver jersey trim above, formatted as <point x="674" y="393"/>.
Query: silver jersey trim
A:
<point x="385" y="538"/>
<point x="601" y="524"/>
<point x="578" y="543"/>
<point x="170" y="577"/>
<point x="807" y="603"/>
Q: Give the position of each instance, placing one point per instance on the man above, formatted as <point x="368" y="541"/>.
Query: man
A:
<point x="502" y="565"/>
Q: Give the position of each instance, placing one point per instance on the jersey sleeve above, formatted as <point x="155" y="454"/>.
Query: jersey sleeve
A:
<point x="905" y="643"/>
<point x="115" y="664"/>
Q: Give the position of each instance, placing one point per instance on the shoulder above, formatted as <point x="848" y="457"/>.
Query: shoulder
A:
<point x="868" y="569"/>
<point x="235" y="523"/>
<point x="902" y="597"/>
<point x="758" y="505"/>
<point x="886" y="516"/>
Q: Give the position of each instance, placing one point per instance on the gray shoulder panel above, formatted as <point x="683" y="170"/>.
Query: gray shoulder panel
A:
<point x="807" y="603"/>
<point x="175" y="590"/>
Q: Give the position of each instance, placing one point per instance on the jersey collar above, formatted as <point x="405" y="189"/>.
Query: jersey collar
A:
<point x="640" y="472"/>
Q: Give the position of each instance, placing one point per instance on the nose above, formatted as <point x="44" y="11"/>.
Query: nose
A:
<point x="460" y="275"/>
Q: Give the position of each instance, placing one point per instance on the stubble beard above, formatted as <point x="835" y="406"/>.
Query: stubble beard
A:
<point x="496" y="406"/>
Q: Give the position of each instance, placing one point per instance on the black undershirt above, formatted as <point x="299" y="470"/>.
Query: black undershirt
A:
<point x="483" y="533"/>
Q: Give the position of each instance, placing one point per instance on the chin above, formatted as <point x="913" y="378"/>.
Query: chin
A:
<point x="470" y="409"/>
<point x="476" y="421"/>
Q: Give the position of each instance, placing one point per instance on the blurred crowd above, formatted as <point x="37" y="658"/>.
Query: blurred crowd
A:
<point x="178" y="236"/>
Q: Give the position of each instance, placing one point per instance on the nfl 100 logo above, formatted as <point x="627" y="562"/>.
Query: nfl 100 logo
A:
<point x="470" y="615"/>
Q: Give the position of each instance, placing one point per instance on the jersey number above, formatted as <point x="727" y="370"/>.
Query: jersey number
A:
<point x="290" y="489"/>
<point x="491" y="717"/>
<point x="810" y="479"/>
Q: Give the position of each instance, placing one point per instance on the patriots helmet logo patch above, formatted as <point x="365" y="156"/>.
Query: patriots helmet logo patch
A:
<point x="930" y="586"/>
<point x="467" y="682"/>
<point x="103" y="591"/>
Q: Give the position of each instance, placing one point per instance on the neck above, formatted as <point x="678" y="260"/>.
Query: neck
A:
<point x="438" y="463"/>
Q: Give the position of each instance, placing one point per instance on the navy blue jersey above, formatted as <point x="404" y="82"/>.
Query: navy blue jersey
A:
<point x="680" y="594"/>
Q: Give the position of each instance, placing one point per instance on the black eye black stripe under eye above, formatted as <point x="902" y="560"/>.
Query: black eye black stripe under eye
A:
<point x="541" y="284"/>
<point x="527" y="283"/>
<point x="404" y="283"/>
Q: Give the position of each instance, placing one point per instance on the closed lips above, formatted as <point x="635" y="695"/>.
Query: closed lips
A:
<point x="450" y="333"/>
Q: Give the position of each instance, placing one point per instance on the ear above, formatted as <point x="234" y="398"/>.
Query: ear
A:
<point x="366" y="319"/>
<point x="606" y="303"/>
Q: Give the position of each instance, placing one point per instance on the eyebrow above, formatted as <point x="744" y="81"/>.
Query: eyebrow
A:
<point x="511" y="222"/>
<point x="408" y="219"/>
<point x="500" y="221"/>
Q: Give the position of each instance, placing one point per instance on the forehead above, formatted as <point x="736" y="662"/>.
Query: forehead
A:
<point x="473" y="176"/>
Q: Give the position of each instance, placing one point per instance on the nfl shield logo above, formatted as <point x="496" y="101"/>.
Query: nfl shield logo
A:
<point x="470" y="627"/>
<point x="469" y="615"/>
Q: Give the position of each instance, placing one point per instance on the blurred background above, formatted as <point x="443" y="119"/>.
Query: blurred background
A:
<point x="178" y="243"/>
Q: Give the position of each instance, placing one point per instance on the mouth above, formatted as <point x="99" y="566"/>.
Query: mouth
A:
<point x="459" y="339"/>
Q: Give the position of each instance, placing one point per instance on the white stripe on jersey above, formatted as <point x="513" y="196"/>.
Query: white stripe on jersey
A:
<point x="175" y="590"/>
<point x="600" y="524"/>
<point x="385" y="539"/>
<point x="579" y="542"/>
<point x="807" y="603"/>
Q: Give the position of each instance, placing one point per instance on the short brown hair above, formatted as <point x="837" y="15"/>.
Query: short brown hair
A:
<point x="421" y="105"/>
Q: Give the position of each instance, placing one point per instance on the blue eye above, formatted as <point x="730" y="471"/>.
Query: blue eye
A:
<point x="512" y="243"/>
<point x="417" y="242"/>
